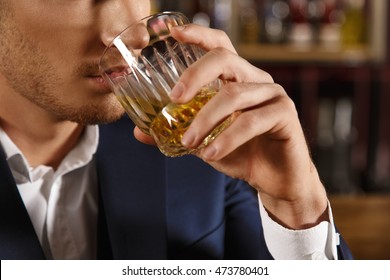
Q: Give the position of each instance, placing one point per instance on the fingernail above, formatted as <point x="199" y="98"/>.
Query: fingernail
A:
<point x="209" y="153"/>
<point x="188" y="139"/>
<point x="177" y="91"/>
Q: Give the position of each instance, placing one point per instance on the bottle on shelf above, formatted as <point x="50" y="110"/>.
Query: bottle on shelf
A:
<point x="330" y="20"/>
<point x="249" y="24"/>
<point x="222" y="15"/>
<point x="275" y="18"/>
<point x="301" y="33"/>
<point x="202" y="13"/>
<point x="353" y="29"/>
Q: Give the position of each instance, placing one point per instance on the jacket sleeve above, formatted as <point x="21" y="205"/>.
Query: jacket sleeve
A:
<point x="244" y="237"/>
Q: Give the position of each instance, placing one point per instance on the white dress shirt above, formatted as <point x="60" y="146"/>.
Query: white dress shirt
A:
<point x="62" y="205"/>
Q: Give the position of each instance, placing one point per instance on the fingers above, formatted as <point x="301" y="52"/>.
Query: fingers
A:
<point x="271" y="121"/>
<point x="250" y="91"/>
<point x="221" y="61"/>
<point x="264" y="109"/>
<point x="210" y="38"/>
<point x="218" y="63"/>
<point x="233" y="97"/>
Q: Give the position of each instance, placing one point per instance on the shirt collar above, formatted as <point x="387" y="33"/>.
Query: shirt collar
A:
<point x="83" y="152"/>
<point x="79" y="156"/>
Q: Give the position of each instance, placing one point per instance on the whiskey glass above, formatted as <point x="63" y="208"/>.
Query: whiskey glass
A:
<point x="142" y="65"/>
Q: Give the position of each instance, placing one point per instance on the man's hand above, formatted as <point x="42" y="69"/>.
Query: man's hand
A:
<point x="265" y="144"/>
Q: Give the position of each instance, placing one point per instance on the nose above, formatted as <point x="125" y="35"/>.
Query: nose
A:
<point x="116" y="15"/>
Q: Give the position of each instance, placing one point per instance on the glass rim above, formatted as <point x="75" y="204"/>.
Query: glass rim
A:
<point x="168" y="13"/>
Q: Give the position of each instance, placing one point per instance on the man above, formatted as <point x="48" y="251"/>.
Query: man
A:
<point x="72" y="190"/>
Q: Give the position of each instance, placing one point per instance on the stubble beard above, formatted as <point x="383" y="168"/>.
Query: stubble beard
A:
<point x="30" y="74"/>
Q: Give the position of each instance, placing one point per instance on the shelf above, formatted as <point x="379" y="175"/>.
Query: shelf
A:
<point x="374" y="51"/>
<point x="289" y="54"/>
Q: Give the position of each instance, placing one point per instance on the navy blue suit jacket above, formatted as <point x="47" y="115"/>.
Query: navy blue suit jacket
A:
<point x="151" y="207"/>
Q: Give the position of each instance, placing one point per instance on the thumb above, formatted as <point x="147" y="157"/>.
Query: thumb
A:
<point x="143" y="138"/>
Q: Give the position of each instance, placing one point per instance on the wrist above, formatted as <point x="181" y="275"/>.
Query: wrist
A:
<point x="301" y="212"/>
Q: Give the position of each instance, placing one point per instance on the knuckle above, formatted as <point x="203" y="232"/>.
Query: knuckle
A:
<point x="279" y="90"/>
<point x="290" y="104"/>
<point x="268" y="77"/>
<point x="222" y="35"/>
<point x="191" y="72"/>
<point x="288" y="107"/>
<point x="220" y="51"/>
<point x="248" y="121"/>
<point x="231" y="90"/>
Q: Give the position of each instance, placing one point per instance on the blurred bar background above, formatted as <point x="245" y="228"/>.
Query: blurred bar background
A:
<point x="331" y="56"/>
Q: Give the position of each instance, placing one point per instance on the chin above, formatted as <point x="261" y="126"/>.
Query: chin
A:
<point x="102" y="118"/>
<point x="92" y="115"/>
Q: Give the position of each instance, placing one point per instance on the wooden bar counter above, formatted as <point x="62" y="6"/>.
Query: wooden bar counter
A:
<point x="364" y="222"/>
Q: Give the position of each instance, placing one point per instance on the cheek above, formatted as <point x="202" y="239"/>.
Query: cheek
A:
<point x="56" y="26"/>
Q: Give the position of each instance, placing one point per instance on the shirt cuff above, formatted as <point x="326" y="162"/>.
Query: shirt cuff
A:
<point x="317" y="243"/>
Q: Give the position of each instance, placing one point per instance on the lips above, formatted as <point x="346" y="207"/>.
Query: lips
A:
<point x="100" y="78"/>
<point x="115" y="72"/>
<point x="99" y="83"/>
<point x="103" y="79"/>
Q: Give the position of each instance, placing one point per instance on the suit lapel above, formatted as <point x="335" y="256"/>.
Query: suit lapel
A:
<point x="133" y="193"/>
<point x="17" y="236"/>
